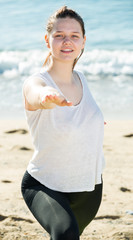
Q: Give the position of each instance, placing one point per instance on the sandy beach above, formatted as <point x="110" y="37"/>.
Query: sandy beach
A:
<point x="115" y="217"/>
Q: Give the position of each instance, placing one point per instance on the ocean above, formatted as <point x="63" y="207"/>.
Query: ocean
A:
<point x="107" y="61"/>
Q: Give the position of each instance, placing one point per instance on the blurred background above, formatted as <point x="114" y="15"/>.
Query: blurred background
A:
<point x="107" y="61"/>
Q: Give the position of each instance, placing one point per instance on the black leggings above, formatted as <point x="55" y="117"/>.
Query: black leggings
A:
<point x="63" y="215"/>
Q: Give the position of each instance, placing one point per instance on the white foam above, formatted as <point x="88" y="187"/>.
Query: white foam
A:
<point x="109" y="75"/>
<point x="95" y="62"/>
<point x="24" y="62"/>
<point x="13" y="73"/>
<point x="107" y="62"/>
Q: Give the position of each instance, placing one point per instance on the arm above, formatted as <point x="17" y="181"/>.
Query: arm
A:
<point x="39" y="96"/>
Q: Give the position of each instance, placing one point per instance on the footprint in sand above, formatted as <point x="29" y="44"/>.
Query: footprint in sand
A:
<point x="123" y="189"/>
<point x="23" y="148"/>
<point x="15" y="218"/>
<point x="108" y="217"/>
<point x="2" y="217"/>
<point x="20" y="130"/>
<point x="129" y="135"/>
<point x="6" y="181"/>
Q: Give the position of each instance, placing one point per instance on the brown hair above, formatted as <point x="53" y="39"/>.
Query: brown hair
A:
<point x="64" y="12"/>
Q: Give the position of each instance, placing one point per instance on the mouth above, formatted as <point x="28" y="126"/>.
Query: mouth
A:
<point x="67" y="50"/>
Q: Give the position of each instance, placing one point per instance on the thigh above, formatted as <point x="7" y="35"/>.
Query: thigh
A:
<point x="85" y="206"/>
<point x="51" y="208"/>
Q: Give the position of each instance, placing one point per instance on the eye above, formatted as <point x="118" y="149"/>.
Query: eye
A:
<point x="59" y="36"/>
<point x="75" y="36"/>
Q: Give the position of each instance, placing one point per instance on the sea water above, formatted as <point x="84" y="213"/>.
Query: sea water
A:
<point x="107" y="61"/>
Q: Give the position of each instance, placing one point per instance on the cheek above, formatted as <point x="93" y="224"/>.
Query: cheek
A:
<point x="55" y="48"/>
<point x="79" y="46"/>
<point x="55" y="45"/>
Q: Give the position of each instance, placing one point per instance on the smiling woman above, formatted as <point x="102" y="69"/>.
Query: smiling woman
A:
<point x="66" y="37"/>
<point x="67" y="15"/>
<point x="63" y="182"/>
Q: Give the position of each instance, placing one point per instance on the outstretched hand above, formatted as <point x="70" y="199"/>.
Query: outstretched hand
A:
<point x="53" y="98"/>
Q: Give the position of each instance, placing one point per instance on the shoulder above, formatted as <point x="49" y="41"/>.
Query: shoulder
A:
<point x="38" y="78"/>
<point x="80" y="74"/>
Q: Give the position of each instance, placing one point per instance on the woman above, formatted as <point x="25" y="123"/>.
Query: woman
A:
<point x="62" y="185"/>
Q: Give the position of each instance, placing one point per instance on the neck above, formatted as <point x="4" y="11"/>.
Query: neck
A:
<point x="61" y="71"/>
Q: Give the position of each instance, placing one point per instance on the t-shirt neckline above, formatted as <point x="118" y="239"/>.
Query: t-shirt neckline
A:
<point x="56" y="86"/>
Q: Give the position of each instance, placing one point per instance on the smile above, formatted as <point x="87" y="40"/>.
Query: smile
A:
<point x="67" y="50"/>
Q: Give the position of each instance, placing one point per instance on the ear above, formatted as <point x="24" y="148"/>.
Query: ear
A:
<point x="47" y="41"/>
<point x="84" y="40"/>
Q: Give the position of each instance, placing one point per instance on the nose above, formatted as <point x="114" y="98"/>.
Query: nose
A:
<point x="67" y="40"/>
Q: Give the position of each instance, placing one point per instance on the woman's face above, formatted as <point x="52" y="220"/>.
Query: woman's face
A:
<point x="66" y="40"/>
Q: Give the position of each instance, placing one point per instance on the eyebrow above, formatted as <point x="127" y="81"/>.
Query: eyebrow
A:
<point x="63" y="31"/>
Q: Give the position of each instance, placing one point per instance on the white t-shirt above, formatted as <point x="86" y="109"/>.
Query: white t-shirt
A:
<point x="68" y="142"/>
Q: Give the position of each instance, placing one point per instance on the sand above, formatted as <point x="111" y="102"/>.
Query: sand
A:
<point x="115" y="217"/>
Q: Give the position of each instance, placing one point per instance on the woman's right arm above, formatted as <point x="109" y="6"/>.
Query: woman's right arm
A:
<point x="39" y="96"/>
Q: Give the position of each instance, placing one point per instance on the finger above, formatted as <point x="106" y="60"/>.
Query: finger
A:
<point x="48" y="98"/>
<point x="65" y="103"/>
<point x="69" y="103"/>
<point x="58" y="99"/>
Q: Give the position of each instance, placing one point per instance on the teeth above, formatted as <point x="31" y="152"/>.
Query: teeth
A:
<point x="67" y="50"/>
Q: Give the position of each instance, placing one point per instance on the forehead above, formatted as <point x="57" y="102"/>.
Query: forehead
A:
<point x="67" y="24"/>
